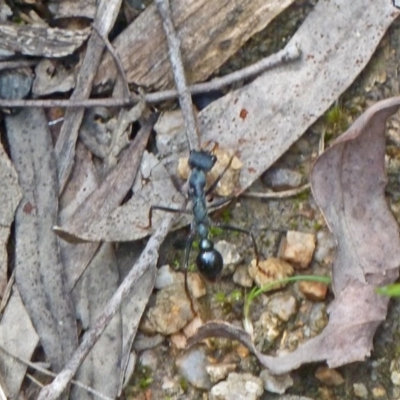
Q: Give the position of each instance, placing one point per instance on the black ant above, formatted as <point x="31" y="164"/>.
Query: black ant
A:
<point x="209" y="261"/>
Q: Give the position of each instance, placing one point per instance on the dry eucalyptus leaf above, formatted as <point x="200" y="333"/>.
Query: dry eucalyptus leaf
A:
<point x="19" y="338"/>
<point x="101" y="368"/>
<point x="134" y="306"/>
<point x="39" y="275"/>
<point x="10" y="196"/>
<point x="279" y="105"/>
<point x="348" y="183"/>
<point x="35" y="40"/>
<point x="210" y="32"/>
<point x="51" y="77"/>
<point x="83" y="224"/>
<point x="83" y="181"/>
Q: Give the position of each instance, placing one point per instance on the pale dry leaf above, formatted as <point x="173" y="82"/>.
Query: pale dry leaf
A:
<point x="102" y="368"/>
<point x="39" y="274"/>
<point x="19" y="338"/>
<point x="348" y="183"/>
<point x="279" y="105"/>
<point x="51" y="77"/>
<point x="210" y="33"/>
<point x="10" y="196"/>
<point x="99" y="206"/>
<point x="77" y="256"/>
<point x="134" y="306"/>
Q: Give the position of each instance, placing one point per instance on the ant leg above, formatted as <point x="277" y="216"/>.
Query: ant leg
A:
<point x="189" y="244"/>
<point x="219" y="177"/>
<point x="165" y="209"/>
<point x="240" y="230"/>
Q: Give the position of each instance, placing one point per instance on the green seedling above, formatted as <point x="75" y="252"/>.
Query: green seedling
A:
<point x="256" y="291"/>
<point x="220" y="297"/>
<point x="192" y="268"/>
<point x="235" y="296"/>
<point x="226" y="215"/>
<point x="392" y="290"/>
<point x="215" y="231"/>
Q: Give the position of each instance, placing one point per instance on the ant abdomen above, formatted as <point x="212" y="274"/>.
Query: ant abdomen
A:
<point x="209" y="261"/>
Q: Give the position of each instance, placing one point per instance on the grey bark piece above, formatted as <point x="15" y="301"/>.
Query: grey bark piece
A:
<point x="39" y="272"/>
<point x="210" y="33"/>
<point x="34" y="40"/>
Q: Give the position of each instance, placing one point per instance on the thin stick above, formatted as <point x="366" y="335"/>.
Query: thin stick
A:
<point x="45" y="371"/>
<point x="147" y="259"/>
<point x="118" y="63"/>
<point x="292" y="192"/>
<point x="277" y="195"/>
<point x="283" y="56"/>
<point x="17" y="64"/>
<point x="106" y="15"/>
<point x="185" y="98"/>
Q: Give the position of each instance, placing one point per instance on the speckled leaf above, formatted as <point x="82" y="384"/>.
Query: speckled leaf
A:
<point x="39" y="275"/>
<point x="348" y="182"/>
<point x="10" y="196"/>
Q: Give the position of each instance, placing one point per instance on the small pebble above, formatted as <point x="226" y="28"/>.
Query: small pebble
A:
<point x="379" y="392"/>
<point x="149" y="359"/>
<point x="395" y="378"/>
<point x="276" y="383"/>
<point x="270" y="270"/>
<point x="242" y="351"/>
<point x="178" y="340"/>
<point x="218" y="372"/>
<point x="196" y="285"/>
<point x="192" y="366"/>
<point x="326" y="246"/>
<point x="191" y="328"/>
<point x="166" y="277"/>
<point x="238" y="387"/>
<point x="172" y="310"/>
<point x="329" y="376"/>
<point x="281" y="178"/>
<point x="360" y="390"/>
<point x="230" y="256"/>
<point x="266" y="329"/>
<point x="395" y="371"/>
<point x="145" y="342"/>
<point x="241" y="277"/>
<point x="325" y="393"/>
<point x="283" y="305"/>
<point x="314" y="291"/>
<point x="298" y="248"/>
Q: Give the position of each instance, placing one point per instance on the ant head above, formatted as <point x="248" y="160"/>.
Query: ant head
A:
<point x="209" y="261"/>
<point x="202" y="160"/>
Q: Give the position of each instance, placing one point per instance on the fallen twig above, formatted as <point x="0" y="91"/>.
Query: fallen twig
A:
<point x="277" y="195"/>
<point x="283" y="56"/>
<point x="45" y="371"/>
<point x="185" y="98"/>
<point x="65" y="147"/>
